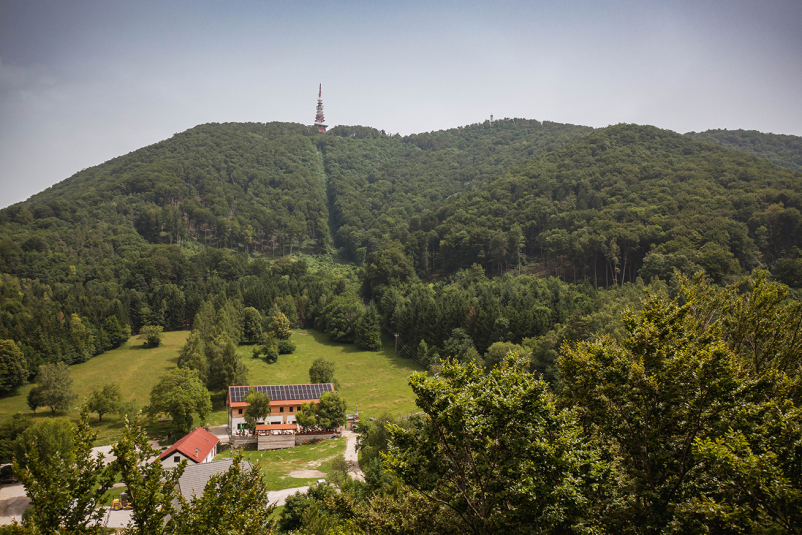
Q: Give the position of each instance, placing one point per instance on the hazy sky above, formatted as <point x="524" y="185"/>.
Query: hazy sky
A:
<point x="83" y="82"/>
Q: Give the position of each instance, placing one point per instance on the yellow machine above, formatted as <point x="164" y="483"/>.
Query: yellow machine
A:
<point x="121" y="502"/>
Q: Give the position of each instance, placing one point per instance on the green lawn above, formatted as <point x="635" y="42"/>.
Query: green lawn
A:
<point x="134" y="367"/>
<point x="376" y="381"/>
<point x="276" y="465"/>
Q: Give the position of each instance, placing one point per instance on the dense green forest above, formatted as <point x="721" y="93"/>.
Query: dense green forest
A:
<point x="548" y="277"/>
<point x="624" y="201"/>
<point x="379" y="186"/>
<point x="147" y="237"/>
<point x="780" y="149"/>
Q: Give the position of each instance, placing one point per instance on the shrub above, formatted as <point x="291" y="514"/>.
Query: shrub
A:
<point x="151" y="334"/>
<point x="285" y="347"/>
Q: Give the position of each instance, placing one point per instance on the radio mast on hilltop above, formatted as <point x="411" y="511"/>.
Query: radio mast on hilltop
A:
<point x="319" y="119"/>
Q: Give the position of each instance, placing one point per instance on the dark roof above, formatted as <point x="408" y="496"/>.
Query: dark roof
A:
<point x="237" y="394"/>
<point x="195" y="446"/>
<point x="195" y="477"/>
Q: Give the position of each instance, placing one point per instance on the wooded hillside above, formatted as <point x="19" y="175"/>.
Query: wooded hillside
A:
<point x="780" y="149"/>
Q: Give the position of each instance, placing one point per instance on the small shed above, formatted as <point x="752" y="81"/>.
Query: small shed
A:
<point x="275" y="436"/>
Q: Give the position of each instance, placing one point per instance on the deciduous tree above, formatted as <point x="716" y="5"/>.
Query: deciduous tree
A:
<point x="66" y="484"/>
<point x="258" y="409"/>
<point x="671" y="382"/>
<point x="331" y="410"/>
<point x="53" y="388"/>
<point x="46" y="439"/>
<point x="9" y="431"/>
<point x="280" y="326"/>
<point x="104" y="400"/>
<point x="152" y="490"/>
<point x="497" y="452"/>
<point x="151" y="334"/>
<point x="321" y="371"/>
<point x="306" y="416"/>
<point x="213" y="510"/>
<point x="180" y="394"/>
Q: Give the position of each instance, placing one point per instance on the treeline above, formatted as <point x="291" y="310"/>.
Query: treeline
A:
<point x="79" y="312"/>
<point x="780" y="149"/>
<point x="598" y="207"/>
<point x="470" y="317"/>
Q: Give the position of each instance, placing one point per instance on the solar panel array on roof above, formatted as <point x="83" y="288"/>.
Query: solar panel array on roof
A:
<point x="281" y="392"/>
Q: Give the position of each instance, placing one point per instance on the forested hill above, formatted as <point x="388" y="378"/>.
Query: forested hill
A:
<point x="608" y="204"/>
<point x="267" y="188"/>
<point x="244" y="186"/>
<point x="623" y="201"/>
<point x="377" y="184"/>
<point x="783" y="150"/>
<point x="145" y="238"/>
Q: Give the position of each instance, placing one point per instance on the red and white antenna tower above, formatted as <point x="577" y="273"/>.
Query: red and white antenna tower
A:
<point x="320" y="121"/>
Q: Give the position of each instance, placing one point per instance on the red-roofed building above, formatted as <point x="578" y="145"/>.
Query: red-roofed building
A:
<point x="200" y="446"/>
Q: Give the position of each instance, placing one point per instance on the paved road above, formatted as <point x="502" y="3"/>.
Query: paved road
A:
<point x="221" y="432"/>
<point x="352" y="455"/>
<point x="117" y="519"/>
<point x="105" y="451"/>
<point x="279" y="497"/>
<point x="13" y="501"/>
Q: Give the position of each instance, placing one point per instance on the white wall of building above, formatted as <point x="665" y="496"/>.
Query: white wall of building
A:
<point x="171" y="462"/>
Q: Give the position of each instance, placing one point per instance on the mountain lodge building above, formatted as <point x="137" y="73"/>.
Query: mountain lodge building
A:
<point x="285" y="401"/>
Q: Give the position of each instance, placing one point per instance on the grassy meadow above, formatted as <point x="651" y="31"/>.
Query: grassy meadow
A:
<point x="376" y="381"/>
<point x="134" y="367"/>
<point x="276" y="465"/>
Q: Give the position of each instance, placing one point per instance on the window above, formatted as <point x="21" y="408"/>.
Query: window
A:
<point x="281" y="409"/>
<point x="240" y="411"/>
<point x="176" y="459"/>
<point x="291" y="409"/>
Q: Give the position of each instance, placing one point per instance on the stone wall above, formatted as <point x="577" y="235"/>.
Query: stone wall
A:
<point x="238" y="442"/>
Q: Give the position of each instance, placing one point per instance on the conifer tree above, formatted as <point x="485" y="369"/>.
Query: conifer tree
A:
<point x="13" y="371"/>
<point x="251" y="325"/>
<point x="225" y="366"/>
<point x="204" y="323"/>
<point x="193" y="355"/>
<point x="368" y="334"/>
<point x="423" y="353"/>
